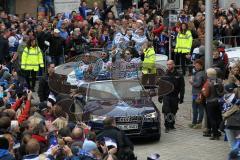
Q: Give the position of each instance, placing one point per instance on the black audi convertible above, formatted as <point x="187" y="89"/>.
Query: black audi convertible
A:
<point x="126" y="100"/>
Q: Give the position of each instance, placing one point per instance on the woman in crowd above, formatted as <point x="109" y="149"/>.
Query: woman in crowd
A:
<point x="148" y="64"/>
<point x="234" y="76"/>
<point x="148" y="58"/>
<point x="183" y="46"/>
<point x="197" y="81"/>
<point x="213" y="90"/>
<point x="31" y="59"/>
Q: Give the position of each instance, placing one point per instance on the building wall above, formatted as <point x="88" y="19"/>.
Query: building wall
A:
<point x="26" y="6"/>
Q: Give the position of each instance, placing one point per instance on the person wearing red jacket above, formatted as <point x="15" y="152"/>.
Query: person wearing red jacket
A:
<point x="224" y="57"/>
<point x="26" y="110"/>
<point x="158" y="31"/>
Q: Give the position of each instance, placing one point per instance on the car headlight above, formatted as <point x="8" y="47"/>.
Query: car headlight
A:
<point x="152" y="115"/>
<point x="98" y="118"/>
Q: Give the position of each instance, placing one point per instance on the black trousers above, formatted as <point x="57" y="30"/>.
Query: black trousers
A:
<point x="181" y="60"/>
<point x="30" y="76"/>
<point x="169" y="109"/>
<point x="208" y="119"/>
<point x="214" y="116"/>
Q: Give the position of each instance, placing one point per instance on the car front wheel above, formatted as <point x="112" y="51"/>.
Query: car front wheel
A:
<point x="156" y="137"/>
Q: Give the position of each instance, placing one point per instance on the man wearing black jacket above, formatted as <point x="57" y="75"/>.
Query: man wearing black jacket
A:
<point x="124" y="145"/>
<point x="43" y="89"/>
<point x="41" y="37"/>
<point x="56" y="48"/>
<point x="4" y="47"/>
<point x="171" y="101"/>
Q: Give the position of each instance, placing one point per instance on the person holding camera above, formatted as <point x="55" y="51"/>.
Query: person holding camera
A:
<point x="77" y="44"/>
<point x="26" y="98"/>
<point x="124" y="145"/>
<point x="56" y="48"/>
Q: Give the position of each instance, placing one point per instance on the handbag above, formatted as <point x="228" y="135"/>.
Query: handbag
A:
<point x="200" y="99"/>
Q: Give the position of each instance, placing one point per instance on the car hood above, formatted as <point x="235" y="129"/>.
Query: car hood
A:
<point x="116" y="108"/>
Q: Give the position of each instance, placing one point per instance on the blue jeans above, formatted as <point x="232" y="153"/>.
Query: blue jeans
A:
<point x="57" y="60"/>
<point x="231" y="136"/>
<point x="197" y="111"/>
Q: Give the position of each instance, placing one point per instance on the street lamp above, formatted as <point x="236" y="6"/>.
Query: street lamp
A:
<point x="208" y="33"/>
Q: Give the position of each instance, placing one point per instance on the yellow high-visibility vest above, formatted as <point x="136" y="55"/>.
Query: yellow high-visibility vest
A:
<point x="183" y="42"/>
<point x="148" y="65"/>
<point x="32" y="58"/>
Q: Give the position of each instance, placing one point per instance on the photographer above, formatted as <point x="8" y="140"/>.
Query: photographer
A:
<point x="124" y="145"/>
<point x="56" y="48"/>
<point x="26" y="98"/>
<point x="76" y="45"/>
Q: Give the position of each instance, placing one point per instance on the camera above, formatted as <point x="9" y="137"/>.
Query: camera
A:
<point x="121" y="15"/>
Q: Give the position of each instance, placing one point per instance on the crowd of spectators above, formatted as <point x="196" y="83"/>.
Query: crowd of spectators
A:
<point x="28" y="45"/>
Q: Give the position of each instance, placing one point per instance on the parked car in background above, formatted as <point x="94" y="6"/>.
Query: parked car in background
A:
<point x="233" y="54"/>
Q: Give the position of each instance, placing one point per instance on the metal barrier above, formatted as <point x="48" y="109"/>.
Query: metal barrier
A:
<point x="227" y="42"/>
<point x="230" y="41"/>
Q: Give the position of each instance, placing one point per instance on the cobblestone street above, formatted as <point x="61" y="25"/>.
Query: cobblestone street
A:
<point x="183" y="143"/>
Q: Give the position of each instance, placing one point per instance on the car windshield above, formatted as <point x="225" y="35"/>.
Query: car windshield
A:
<point x="115" y="90"/>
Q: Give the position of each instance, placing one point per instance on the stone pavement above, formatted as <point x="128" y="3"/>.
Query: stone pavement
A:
<point x="183" y="143"/>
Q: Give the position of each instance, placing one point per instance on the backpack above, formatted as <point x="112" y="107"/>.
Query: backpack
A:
<point x="219" y="88"/>
<point x="214" y="90"/>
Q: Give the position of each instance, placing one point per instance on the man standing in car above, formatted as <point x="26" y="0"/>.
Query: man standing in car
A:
<point x="171" y="100"/>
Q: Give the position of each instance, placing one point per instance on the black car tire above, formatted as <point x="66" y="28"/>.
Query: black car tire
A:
<point x="156" y="137"/>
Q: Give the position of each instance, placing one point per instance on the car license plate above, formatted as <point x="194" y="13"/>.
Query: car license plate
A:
<point x="128" y="126"/>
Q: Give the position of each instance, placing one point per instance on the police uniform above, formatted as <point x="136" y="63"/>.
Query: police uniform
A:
<point x="31" y="59"/>
<point x="183" y="46"/>
<point x="171" y="100"/>
<point x="148" y="67"/>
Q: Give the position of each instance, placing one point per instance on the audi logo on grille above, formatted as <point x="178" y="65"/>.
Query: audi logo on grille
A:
<point x="124" y="119"/>
<point x="171" y="1"/>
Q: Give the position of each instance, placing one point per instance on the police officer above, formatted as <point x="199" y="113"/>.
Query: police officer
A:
<point x="183" y="46"/>
<point x="171" y="100"/>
